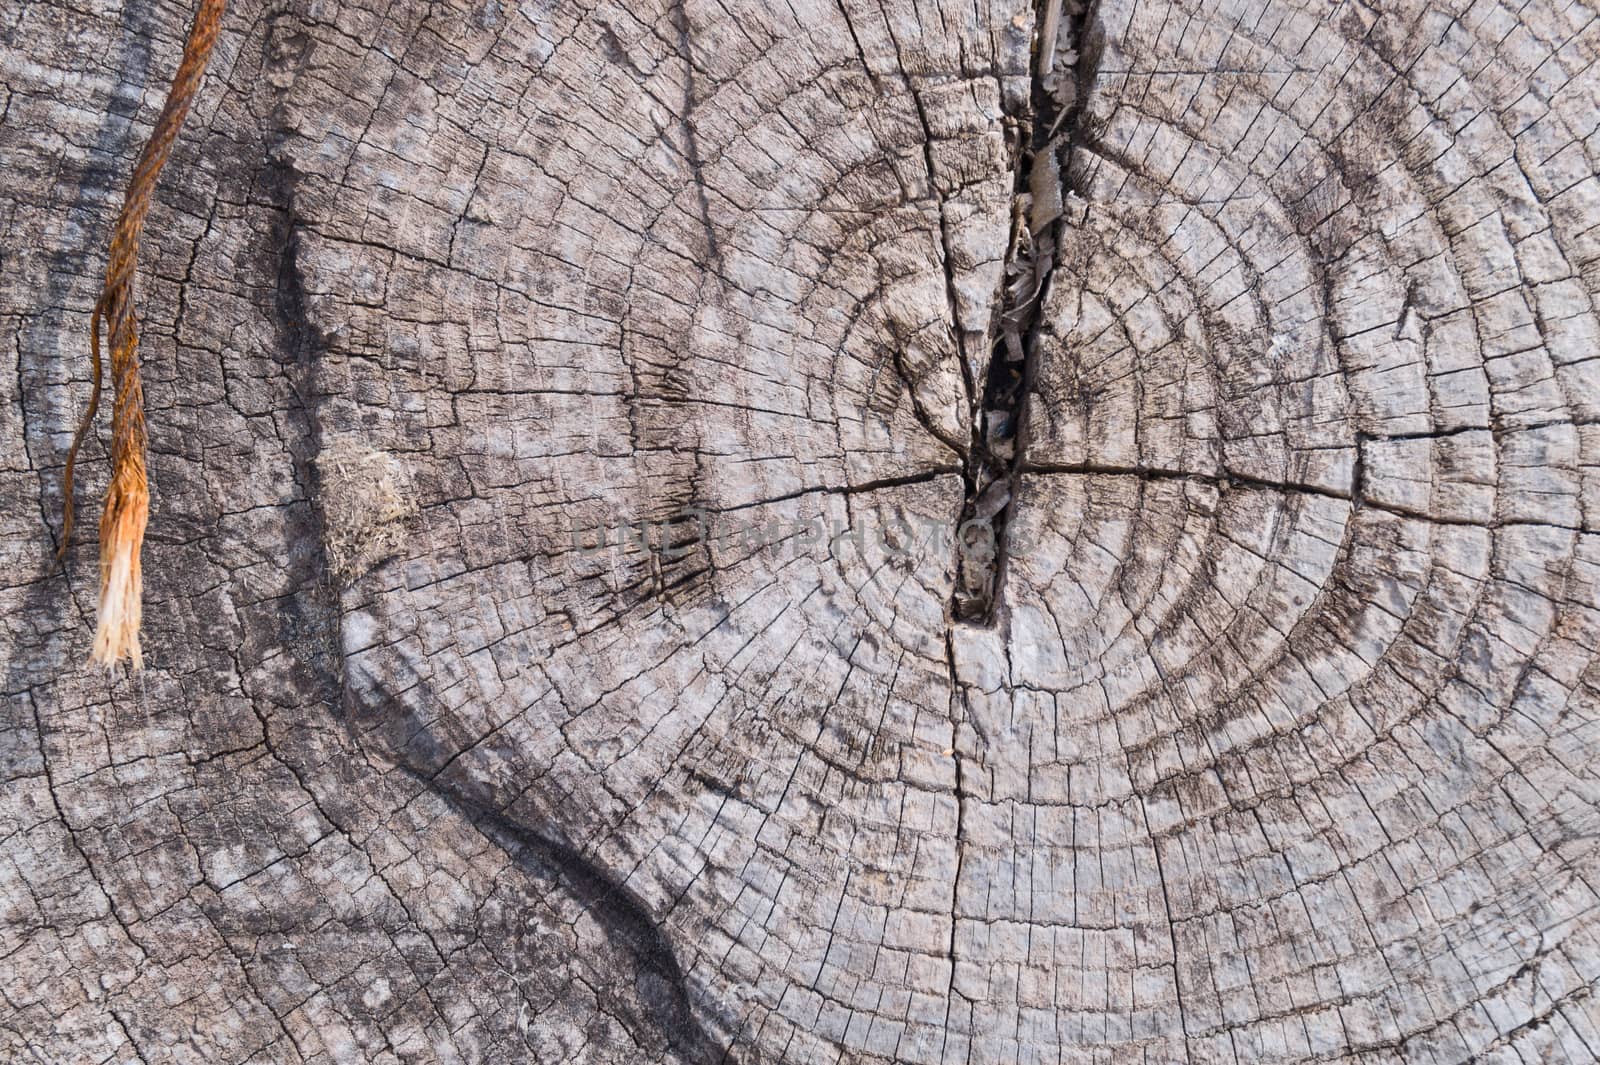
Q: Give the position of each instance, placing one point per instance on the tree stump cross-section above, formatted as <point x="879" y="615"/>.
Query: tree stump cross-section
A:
<point x="855" y="532"/>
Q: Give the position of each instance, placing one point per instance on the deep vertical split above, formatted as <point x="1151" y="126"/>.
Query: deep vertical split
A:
<point x="1046" y="132"/>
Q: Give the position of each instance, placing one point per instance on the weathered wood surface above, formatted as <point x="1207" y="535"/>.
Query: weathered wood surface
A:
<point x="1280" y="747"/>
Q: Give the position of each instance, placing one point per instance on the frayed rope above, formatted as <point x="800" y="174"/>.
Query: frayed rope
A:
<point x="127" y="505"/>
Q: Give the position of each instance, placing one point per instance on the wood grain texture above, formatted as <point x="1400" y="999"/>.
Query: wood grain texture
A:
<point x="1279" y="748"/>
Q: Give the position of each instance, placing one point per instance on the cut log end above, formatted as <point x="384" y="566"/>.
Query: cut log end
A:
<point x="791" y="533"/>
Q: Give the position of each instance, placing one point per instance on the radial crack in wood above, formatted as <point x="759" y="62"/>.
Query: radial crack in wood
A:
<point x="999" y="432"/>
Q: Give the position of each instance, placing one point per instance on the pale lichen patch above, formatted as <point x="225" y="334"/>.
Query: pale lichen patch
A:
<point x="366" y="505"/>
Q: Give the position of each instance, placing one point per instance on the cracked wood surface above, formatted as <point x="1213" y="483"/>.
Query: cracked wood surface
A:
<point x="1279" y="748"/>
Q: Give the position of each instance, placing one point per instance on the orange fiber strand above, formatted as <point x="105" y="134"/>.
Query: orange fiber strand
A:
<point x="127" y="505"/>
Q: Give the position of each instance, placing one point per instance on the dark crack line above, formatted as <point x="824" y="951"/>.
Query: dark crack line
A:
<point x="1358" y="499"/>
<point x="876" y="485"/>
<point x="680" y="22"/>
<point x="1042" y="178"/>
<point x="310" y="616"/>
<point x="957" y="698"/>
<point x="619" y="911"/>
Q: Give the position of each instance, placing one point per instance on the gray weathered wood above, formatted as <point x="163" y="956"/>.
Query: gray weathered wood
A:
<point x="1279" y="747"/>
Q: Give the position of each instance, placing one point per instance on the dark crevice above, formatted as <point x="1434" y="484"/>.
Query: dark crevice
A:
<point x="957" y="717"/>
<point x="1048" y="130"/>
<point x="662" y="1007"/>
<point x="658" y="979"/>
<point x="305" y="619"/>
<point x="310" y="618"/>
